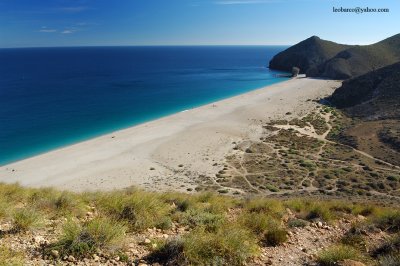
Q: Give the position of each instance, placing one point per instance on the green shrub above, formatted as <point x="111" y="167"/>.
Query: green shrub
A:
<point x="68" y="203"/>
<point x="196" y="217"/>
<point x="24" y="219"/>
<point x="183" y="205"/>
<point x="57" y="204"/>
<point x="82" y="241"/>
<point x="9" y="257"/>
<point x="297" y="205"/>
<point x="140" y="210"/>
<point x="14" y="192"/>
<point x="272" y="188"/>
<point x="4" y="208"/>
<point x="258" y="223"/>
<point x="393" y="178"/>
<point x="168" y="253"/>
<point x="332" y="255"/>
<point x="262" y="205"/>
<point x="364" y="210"/>
<point x="354" y="240"/>
<point x="275" y="236"/>
<point x="216" y="204"/>
<point x="165" y="223"/>
<point x="297" y="223"/>
<point x="308" y="164"/>
<point x="388" y="220"/>
<point x="390" y="246"/>
<point x="390" y="260"/>
<point x="232" y="245"/>
<point x="321" y="212"/>
<point x="205" y="197"/>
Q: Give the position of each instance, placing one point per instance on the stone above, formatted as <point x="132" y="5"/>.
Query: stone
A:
<point x="361" y="217"/>
<point x="147" y="241"/>
<point x="319" y="224"/>
<point x="71" y="258"/>
<point x="38" y="239"/>
<point x="54" y="253"/>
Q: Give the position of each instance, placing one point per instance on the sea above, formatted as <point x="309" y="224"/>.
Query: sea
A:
<point x="53" y="97"/>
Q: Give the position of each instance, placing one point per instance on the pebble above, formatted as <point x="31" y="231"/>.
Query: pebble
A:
<point x="147" y="241"/>
<point x="71" y="258"/>
<point x="55" y="253"/>
<point x="38" y="239"/>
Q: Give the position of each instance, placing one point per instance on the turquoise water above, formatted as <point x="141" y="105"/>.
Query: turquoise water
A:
<point x="52" y="97"/>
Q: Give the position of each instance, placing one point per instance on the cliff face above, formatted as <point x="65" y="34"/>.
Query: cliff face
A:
<point x="375" y="95"/>
<point x="320" y="58"/>
<point x="306" y="55"/>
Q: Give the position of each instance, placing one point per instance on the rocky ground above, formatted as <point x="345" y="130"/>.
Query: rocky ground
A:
<point x="302" y="246"/>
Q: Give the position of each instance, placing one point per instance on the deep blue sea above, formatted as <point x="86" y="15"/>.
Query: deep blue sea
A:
<point x="52" y="97"/>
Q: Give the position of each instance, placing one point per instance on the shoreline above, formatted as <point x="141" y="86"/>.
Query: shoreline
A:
<point x="121" y="126"/>
<point x="169" y="153"/>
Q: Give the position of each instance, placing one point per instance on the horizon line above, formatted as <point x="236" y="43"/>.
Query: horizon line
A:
<point x="144" y="45"/>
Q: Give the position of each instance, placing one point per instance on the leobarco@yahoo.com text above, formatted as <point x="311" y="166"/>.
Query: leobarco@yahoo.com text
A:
<point x="359" y="10"/>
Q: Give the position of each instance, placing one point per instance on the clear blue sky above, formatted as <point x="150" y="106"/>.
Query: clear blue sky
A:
<point x="29" y="23"/>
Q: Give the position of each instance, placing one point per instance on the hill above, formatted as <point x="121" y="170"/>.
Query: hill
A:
<point x="375" y="95"/>
<point x="306" y="55"/>
<point x="359" y="60"/>
<point x="372" y="104"/>
<point x="320" y="58"/>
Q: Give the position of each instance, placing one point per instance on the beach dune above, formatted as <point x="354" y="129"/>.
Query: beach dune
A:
<point x="171" y="153"/>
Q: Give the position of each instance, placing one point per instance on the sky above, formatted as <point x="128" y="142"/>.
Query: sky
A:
<point x="46" y="23"/>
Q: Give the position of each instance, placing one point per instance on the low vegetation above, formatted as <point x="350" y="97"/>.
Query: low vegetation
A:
<point x="337" y="253"/>
<point x="25" y="219"/>
<point x="205" y="228"/>
<point x="83" y="240"/>
<point x="11" y="257"/>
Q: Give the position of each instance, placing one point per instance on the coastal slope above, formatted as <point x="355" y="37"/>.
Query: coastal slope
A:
<point x="372" y="104"/>
<point x="321" y="58"/>
<point x="375" y="95"/>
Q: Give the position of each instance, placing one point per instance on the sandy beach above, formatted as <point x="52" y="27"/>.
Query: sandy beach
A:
<point x="170" y="153"/>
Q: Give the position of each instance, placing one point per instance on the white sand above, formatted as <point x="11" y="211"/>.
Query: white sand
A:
<point x="198" y="139"/>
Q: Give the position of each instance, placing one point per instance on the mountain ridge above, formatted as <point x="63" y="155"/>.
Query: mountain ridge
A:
<point x="321" y="58"/>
